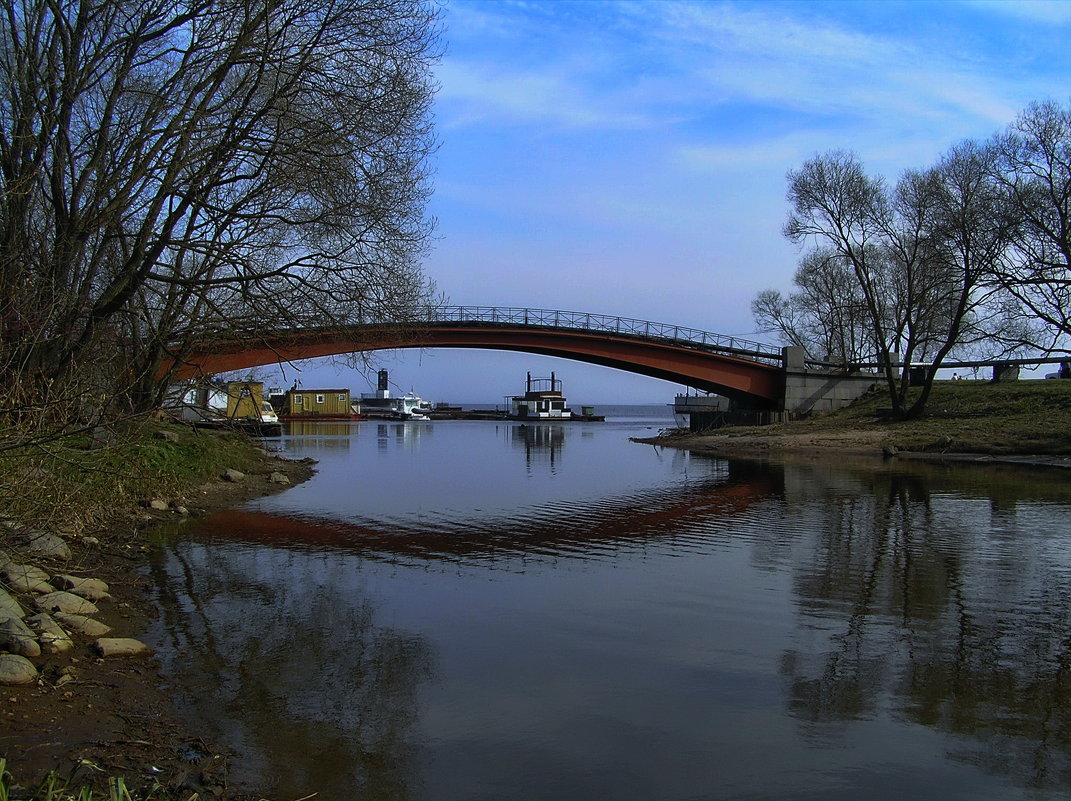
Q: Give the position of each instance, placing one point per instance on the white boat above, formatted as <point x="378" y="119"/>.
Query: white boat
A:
<point x="383" y="404"/>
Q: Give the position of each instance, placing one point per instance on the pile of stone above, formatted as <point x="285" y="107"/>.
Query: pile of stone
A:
<point x="61" y="609"/>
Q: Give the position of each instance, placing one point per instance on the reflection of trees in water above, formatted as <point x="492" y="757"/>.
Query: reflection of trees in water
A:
<point x="294" y="673"/>
<point x="947" y="609"/>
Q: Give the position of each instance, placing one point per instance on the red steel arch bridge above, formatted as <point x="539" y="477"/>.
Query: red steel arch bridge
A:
<point x="747" y="371"/>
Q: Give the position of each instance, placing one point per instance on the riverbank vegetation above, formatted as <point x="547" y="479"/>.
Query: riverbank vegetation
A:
<point x="962" y="417"/>
<point x="969" y="258"/>
<point x="90" y="479"/>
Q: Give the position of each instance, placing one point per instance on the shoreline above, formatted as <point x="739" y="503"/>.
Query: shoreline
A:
<point x="87" y="717"/>
<point x="751" y="446"/>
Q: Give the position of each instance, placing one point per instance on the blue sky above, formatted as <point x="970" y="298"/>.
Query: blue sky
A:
<point x="629" y="157"/>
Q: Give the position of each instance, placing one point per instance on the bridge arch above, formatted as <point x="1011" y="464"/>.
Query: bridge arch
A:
<point x="710" y="362"/>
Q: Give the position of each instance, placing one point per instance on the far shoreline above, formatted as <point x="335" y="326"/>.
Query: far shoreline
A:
<point x="1024" y="423"/>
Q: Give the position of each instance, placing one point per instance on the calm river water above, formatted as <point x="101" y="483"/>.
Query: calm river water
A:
<point x="482" y="610"/>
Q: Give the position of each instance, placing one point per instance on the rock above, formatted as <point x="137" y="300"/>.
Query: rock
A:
<point x="91" y="588"/>
<point x="45" y="544"/>
<point x="120" y="646"/>
<point x="103" y="436"/>
<point x="888" y="451"/>
<point x="278" y="478"/>
<point x="159" y="505"/>
<point x="82" y="624"/>
<point x="942" y="443"/>
<point x="234" y="475"/>
<point x="182" y="510"/>
<point x="9" y="607"/>
<point x="26" y="578"/>
<point x="15" y="669"/>
<point x="66" y="602"/>
<point x="53" y="639"/>
<point x="17" y="638"/>
<point x="90" y="541"/>
<point x="167" y="436"/>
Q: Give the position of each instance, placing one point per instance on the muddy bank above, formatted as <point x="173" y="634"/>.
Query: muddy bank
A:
<point x="832" y="444"/>
<point x="91" y="717"/>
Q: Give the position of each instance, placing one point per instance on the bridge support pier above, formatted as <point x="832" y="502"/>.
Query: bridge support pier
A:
<point x="808" y="391"/>
<point x="805" y="392"/>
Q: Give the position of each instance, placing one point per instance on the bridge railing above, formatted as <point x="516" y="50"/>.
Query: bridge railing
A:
<point x="586" y="321"/>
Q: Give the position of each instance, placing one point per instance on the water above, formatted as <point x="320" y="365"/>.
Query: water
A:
<point x="482" y="610"/>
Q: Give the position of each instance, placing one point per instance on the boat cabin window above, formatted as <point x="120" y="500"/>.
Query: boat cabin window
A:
<point x="319" y="398"/>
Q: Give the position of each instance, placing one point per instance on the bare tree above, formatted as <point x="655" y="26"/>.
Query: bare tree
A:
<point x="966" y="227"/>
<point x="826" y="315"/>
<point x="173" y="169"/>
<point x="838" y="206"/>
<point x="1033" y="167"/>
<point x="921" y="256"/>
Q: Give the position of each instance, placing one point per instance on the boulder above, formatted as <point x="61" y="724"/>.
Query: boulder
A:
<point x="167" y="436"/>
<point x="83" y="624"/>
<point x="53" y="639"/>
<point x="234" y="475"/>
<point x="120" y="646"/>
<point x="25" y="578"/>
<point x="15" y="669"/>
<point x="17" y="638"/>
<point x="61" y="601"/>
<point x="91" y="588"/>
<point x="278" y="478"/>
<point x="44" y="544"/>
<point x="159" y="505"/>
<point x="9" y="607"/>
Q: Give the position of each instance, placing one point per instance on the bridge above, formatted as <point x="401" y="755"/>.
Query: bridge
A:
<point x="752" y="374"/>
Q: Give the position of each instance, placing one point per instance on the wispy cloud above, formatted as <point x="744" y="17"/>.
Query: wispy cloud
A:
<point x="643" y="64"/>
<point x="1055" y="12"/>
<point x="478" y="93"/>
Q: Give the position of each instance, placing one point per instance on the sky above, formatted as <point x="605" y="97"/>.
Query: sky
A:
<point x="628" y="157"/>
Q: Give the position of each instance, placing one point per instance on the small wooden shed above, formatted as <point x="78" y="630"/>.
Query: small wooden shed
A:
<point x="318" y="402"/>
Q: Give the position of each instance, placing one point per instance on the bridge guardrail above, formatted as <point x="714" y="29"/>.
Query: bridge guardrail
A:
<point x="586" y="321"/>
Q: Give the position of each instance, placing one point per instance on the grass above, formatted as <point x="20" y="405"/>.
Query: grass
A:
<point x="55" y="789"/>
<point x="81" y="482"/>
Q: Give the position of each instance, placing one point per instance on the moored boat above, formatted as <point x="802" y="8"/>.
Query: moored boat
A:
<point x="543" y="400"/>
